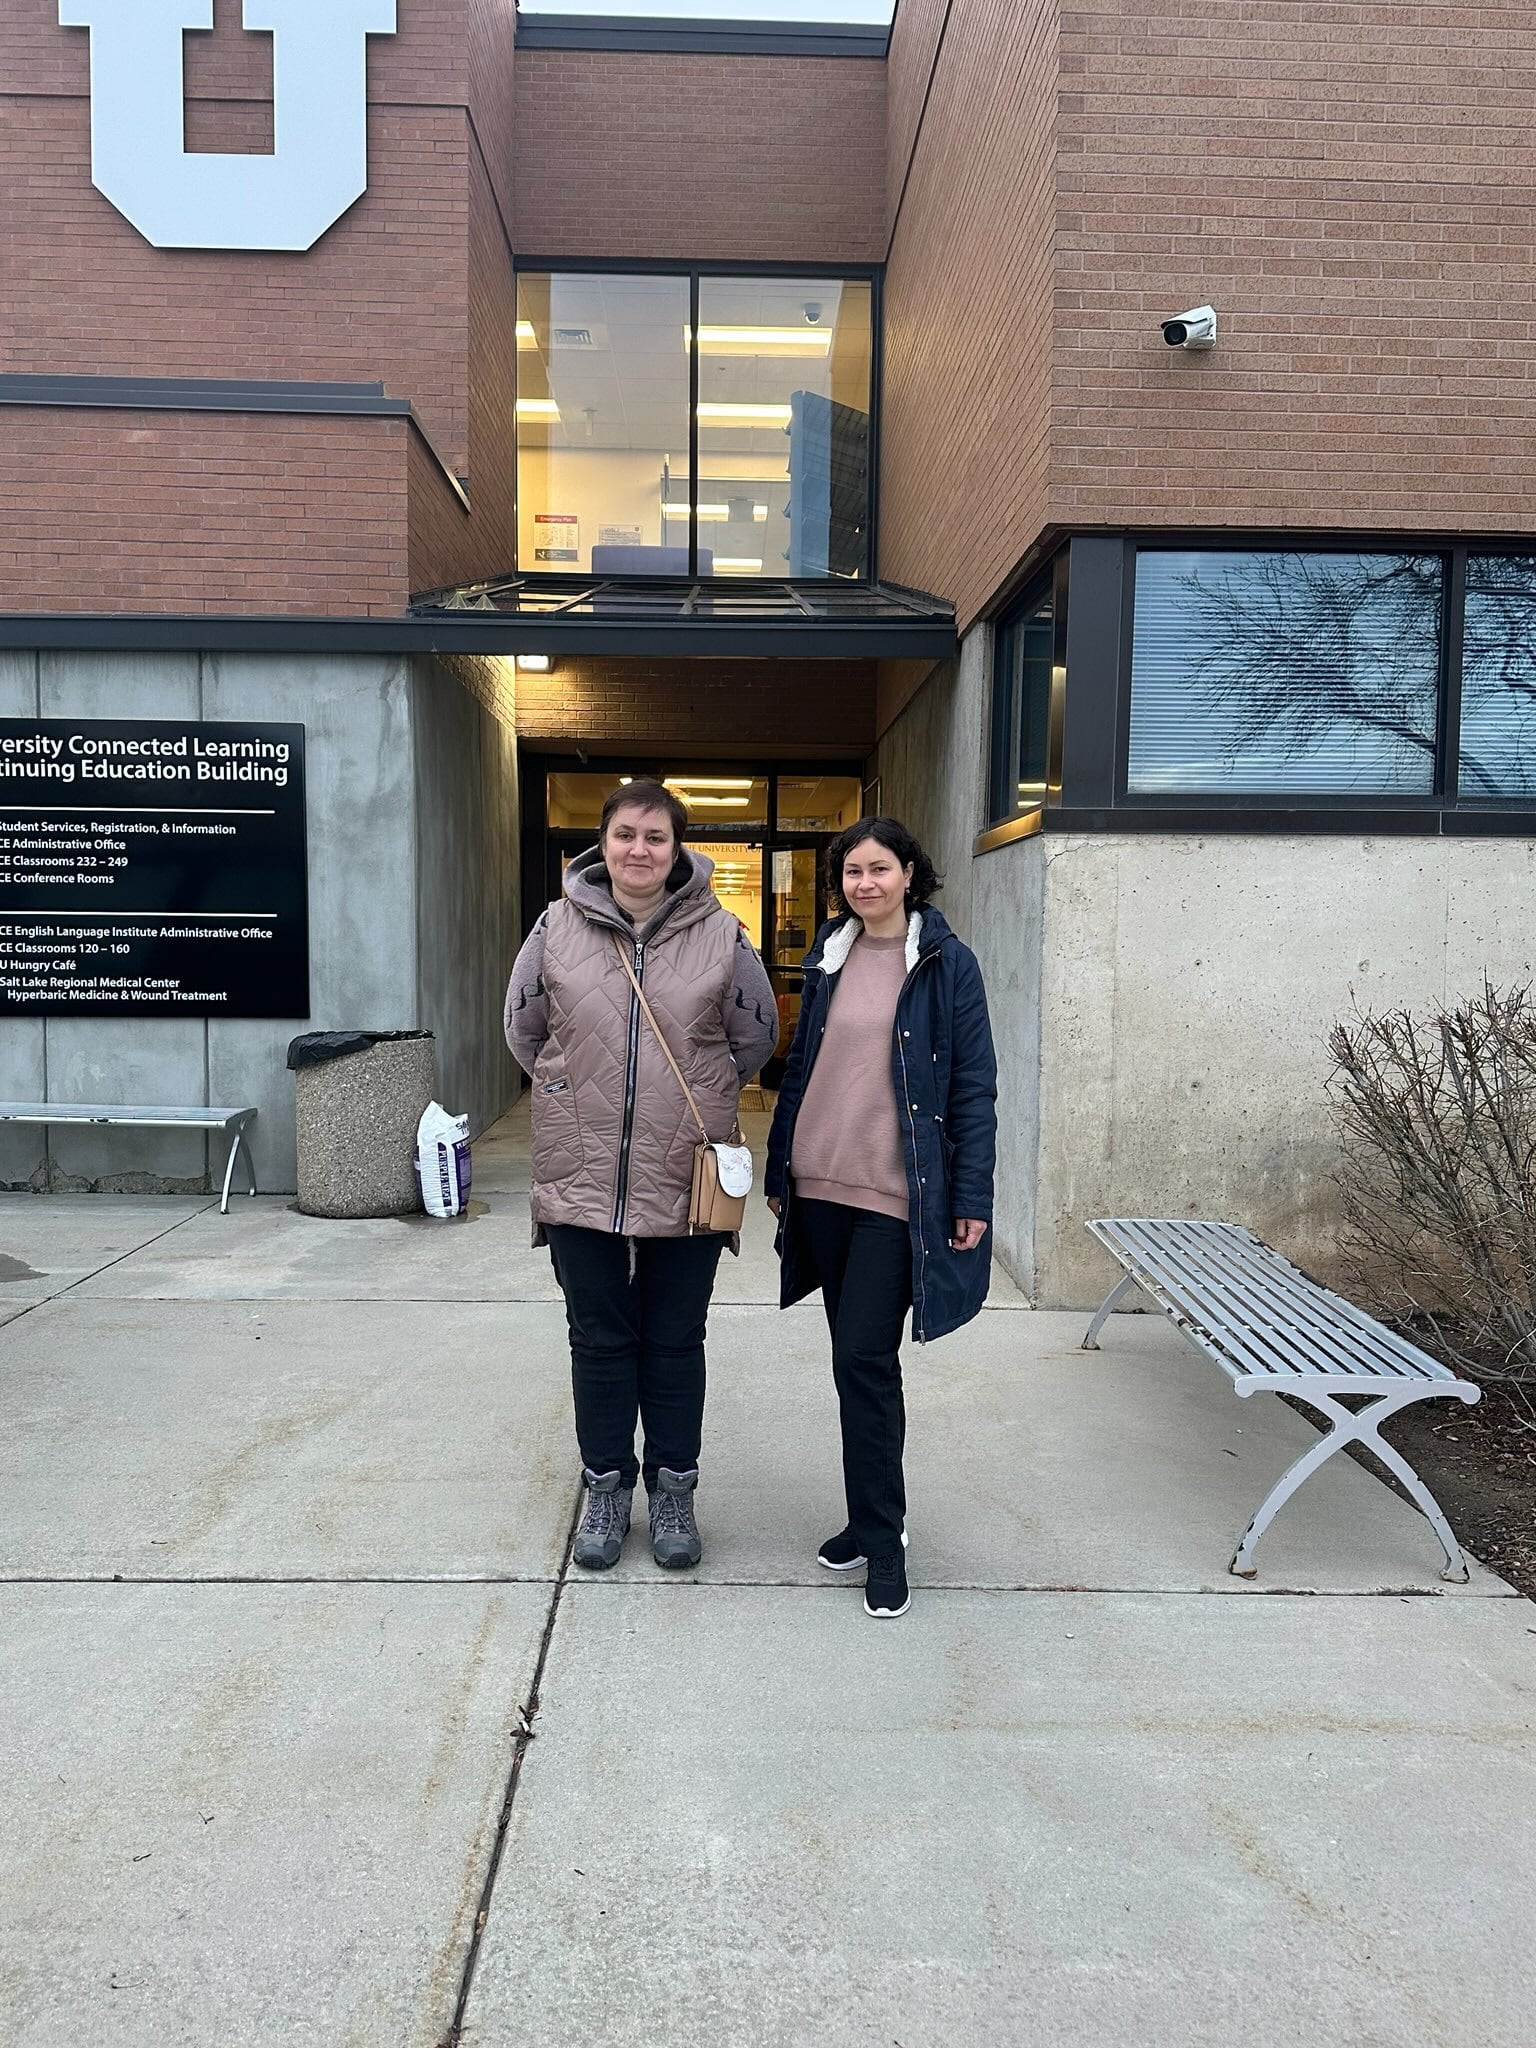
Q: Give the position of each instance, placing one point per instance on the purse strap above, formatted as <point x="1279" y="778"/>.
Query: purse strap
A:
<point x="650" y="1018"/>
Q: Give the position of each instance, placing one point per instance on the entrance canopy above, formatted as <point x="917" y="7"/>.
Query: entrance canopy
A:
<point x="715" y="615"/>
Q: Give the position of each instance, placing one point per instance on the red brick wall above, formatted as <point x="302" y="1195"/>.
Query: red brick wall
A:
<point x="699" y="157"/>
<point x="1354" y="188"/>
<point x="968" y="306"/>
<point x="386" y="294"/>
<point x="914" y="43"/>
<point x="201" y="512"/>
<point x="820" y="709"/>
<point x="1351" y="185"/>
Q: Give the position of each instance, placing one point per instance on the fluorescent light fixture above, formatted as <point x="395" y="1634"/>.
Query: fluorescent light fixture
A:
<point x="719" y="412"/>
<point x="739" y="565"/>
<point x="720" y="802"/>
<point x="707" y="781"/>
<point x="759" y="513"/>
<point x="536" y="664"/>
<point x="537" y="409"/>
<point x="676" y="511"/>
<point x="526" y="338"/>
<point x="761" y="341"/>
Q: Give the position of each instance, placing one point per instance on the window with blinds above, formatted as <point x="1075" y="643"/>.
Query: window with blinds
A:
<point x="1023" y="658"/>
<point x="1498" y="679"/>
<point x="1285" y="674"/>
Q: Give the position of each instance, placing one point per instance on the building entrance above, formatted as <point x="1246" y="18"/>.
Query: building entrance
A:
<point x="766" y="830"/>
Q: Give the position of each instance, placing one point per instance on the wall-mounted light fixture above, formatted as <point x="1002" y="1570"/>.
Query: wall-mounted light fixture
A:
<point x="536" y="664"/>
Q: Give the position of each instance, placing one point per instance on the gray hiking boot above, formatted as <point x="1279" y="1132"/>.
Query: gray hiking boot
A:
<point x="674" y="1533"/>
<point x="604" y="1522"/>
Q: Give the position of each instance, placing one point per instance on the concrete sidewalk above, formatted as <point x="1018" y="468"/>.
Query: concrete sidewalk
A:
<point x="284" y="1515"/>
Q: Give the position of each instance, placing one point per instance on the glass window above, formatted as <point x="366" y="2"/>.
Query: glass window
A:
<point x="1024" y="661"/>
<point x="602" y="423"/>
<point x="1498" y="678"/>
<point x="784" y="399"/>
<point x="1285" y="674"/>
<point x="738" y="881"/>
<point x="721" y="801"/>
<point x="819" y="803"/>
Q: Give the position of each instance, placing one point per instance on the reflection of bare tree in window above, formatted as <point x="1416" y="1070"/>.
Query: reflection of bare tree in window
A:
<point x="1498" y="677"/>
<point x="1295" y="650"/>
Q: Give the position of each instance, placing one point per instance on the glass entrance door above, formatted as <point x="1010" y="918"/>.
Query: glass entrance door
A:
<point x="797" y="905"/>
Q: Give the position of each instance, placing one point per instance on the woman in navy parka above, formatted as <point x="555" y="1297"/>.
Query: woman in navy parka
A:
<point x="880" y="1163"/>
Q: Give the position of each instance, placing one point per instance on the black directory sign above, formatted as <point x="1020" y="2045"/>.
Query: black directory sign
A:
<point x="152" y="868"/>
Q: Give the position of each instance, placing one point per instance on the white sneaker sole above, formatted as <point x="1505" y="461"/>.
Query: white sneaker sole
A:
<point x="853" y="1563"/>
<point x="888" y="1613"/>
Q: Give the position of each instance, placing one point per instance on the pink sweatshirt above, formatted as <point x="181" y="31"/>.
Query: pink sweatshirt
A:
<point x="847" y="1141"/>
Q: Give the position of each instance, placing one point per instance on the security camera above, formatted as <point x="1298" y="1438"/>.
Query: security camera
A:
<point x="812" y="311"/>
<point x="1194" y="329"/>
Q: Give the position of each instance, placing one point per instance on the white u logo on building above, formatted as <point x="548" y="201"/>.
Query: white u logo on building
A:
<point x="287" y="200"/>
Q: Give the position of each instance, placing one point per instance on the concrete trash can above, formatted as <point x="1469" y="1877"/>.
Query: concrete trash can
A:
<point x="359" y="1097"/>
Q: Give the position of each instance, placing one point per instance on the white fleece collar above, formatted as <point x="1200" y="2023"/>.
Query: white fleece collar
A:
<point x="834" y="955"/>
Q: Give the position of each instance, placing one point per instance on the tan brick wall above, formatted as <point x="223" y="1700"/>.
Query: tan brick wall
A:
<point x="386" y="294"/>
<point x="820" y="709"/>
<point x="914" y="44"/>
<point x="684" y="158"/>
<point x="1351" y="185"/>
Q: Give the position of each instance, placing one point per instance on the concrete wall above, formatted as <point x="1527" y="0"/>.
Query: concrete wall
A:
<point x="1007" y="913"/>
<point x="1189" y="987"/>
<point x="467" y="869"/>
<point x="930" y="765"/>
<point x="385" y="746"/>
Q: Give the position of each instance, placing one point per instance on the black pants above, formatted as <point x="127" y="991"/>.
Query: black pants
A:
<point x="864" y="1263"/>
<point x="637" y="1344"/>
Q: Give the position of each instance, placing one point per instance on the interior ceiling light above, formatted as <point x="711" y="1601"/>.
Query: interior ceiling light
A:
<point x="718" y="411"/>
<point x="761" y="341"/>
<point x="708" y="781"/>
<point x="526" y="338"/>
<point x="720" y="802"/>
<point x="676" y="511"/>
<point x="739" y="565"/>
<point x="537" y="409"/>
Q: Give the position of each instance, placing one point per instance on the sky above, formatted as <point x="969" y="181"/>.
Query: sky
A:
<point x="878" y="11"/>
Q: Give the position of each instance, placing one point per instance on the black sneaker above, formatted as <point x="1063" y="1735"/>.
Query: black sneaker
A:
<point x="885" y="1589"/>
<point x="841" y="1553"/>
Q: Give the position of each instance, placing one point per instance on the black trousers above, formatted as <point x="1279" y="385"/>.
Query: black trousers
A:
<point x="864" y="1263"/>
<point x="637" y="1344"/>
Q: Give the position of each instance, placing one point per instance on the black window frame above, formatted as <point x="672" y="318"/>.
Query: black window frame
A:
<point x="696" y="274"/>
<point x="1094" y="794"/>
<point x="1005" y="706"/>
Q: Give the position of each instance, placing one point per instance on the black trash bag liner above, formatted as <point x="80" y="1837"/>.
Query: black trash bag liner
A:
<point x="314" y="1048"/>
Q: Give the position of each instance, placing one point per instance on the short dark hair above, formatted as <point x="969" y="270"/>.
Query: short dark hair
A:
<point x="896" y="839"/>
<point x="644" y="793"/>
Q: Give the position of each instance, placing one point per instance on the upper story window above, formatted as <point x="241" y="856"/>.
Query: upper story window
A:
<point x="694" y="425"/>
<point x="1280" y="673"/>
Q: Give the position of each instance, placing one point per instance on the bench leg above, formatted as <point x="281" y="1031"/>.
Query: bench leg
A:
<point x="1116" y="1294"/>
<point x="1348" y="1428"/>
<point x="229" y="1167"/>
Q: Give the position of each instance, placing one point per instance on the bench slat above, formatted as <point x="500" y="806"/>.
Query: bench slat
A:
<point x="1331" y="1332"/>
<point x="1231" y="1290"/>
<point x="151" y="1115"/>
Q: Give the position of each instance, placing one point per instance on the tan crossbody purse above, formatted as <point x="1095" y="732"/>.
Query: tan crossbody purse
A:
<point x="722" y="1174"/>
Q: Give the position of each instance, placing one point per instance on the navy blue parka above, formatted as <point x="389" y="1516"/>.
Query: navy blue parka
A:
<point x="944" y="1073"/>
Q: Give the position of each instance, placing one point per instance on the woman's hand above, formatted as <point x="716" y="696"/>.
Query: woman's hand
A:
<point x="773" y="1203"/>
<point x="968" y="1234"/>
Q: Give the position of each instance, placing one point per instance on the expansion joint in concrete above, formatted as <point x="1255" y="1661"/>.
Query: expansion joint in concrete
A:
<point x="527" y="1714"/>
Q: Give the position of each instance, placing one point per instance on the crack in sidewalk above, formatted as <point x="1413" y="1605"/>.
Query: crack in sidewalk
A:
<point x="527" y="1713"/>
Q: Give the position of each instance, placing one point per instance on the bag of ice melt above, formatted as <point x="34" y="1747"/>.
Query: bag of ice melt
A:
<point x="442" y="1160"/>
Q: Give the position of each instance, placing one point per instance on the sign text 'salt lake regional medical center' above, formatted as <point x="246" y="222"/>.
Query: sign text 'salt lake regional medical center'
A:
<point x="152" y="868"/>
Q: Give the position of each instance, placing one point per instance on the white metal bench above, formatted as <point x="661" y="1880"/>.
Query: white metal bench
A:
<point x="233" y="1122"/>
<point x="1273" y="1330"/>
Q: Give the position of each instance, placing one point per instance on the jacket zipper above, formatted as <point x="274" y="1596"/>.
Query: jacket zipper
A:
<point x="631" y="1076"/>
<point x="920" y="1309"/>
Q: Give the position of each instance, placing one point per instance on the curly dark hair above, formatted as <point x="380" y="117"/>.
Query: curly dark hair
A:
<point x="890" y="833"/>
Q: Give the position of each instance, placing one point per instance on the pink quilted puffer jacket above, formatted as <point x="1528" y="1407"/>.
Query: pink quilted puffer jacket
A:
<point x="613" y="1137"/>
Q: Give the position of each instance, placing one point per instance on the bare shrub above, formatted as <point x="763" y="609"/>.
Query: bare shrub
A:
<point x="1437" y="1116"/>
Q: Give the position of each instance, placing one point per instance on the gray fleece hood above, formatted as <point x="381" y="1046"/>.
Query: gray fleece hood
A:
<point x="689" y="896"/>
